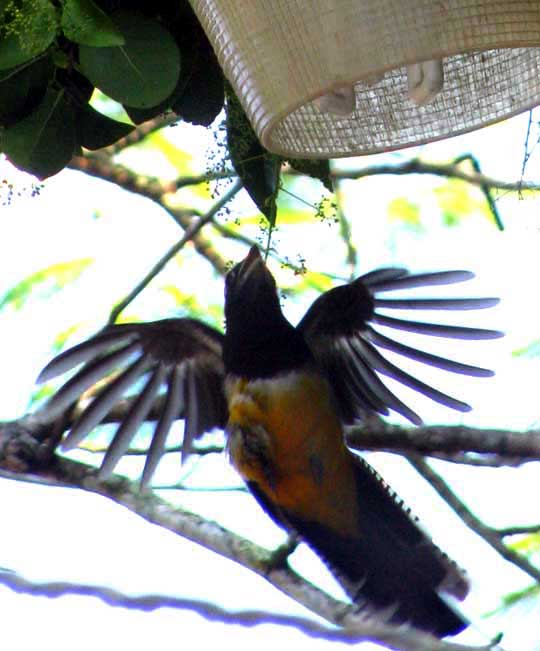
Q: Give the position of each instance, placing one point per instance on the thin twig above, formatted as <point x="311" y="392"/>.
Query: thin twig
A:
<point x="490" y="535"/>
<point x="450" y="170"/>
<point x="201" y="450"/>
<point x="519" y="531"/>
<point x="485" y="187"/>
<point x="188" y="235"/>
<point x="185" y="181"/>
<point x="150" y="188"/>
<point x="180" y="486"/>
<point x="140" y="132"/>
<point x="526" y="153"/>
<point x="354" y="626"/>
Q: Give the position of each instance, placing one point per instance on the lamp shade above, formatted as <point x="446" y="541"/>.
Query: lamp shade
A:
<point x="285" y="58"/>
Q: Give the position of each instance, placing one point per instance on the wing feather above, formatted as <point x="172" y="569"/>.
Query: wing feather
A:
<point x="103" y="403"/>
<point x="132" y="422"/>
<point x="94" y="371"/>
<point x="338" y="329"/>
<point x="183" y="361"/>
<point x="91" y="349"/>
<point x="174" y="402"/>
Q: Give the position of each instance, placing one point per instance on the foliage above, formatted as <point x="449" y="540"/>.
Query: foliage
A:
<point x="53" y="55"/>
<point x="44" y="282"/>
<point x="404" y="211"/>
<point x="150" y="58"/>
<point x="532" y="349"/>
<point x="258" y="169"/>
<point x="133" y="73"/>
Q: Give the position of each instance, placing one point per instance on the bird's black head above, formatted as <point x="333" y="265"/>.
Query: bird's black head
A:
<point x="259" y="341"/>
<point x="250" y="283"/>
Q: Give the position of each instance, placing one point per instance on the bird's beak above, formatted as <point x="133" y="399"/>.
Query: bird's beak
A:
<point x="253" y="261"/>
<point x="252" y="257"/>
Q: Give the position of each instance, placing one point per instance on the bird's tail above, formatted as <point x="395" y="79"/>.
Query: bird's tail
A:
<point x="392" y="567"/>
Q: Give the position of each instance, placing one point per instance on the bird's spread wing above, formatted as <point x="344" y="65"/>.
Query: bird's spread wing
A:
<point x="340" y="329"/>
<point x="170" y="369"/>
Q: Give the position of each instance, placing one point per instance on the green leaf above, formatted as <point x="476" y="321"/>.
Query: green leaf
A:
<point x="187" y="32"/>
<point x="519" y="595"/>
<point x="22" y="89"/>
<point x="85" y="23"/>
<point x="142" y="72"/>
<point x="458" y="201"/>
<point x="78" y="88"/>
<point x="11" y="52"/>
<point x="27" y="28"/>
<point x="527" y="544"/>
<point x="204" y="92"/>
<point x="317" y="169"/>
<point x="406" y="212"/>
<point x="44" y="142"/>
<point x="199" y="94"/>
<point x="258" y="169"/>
<point x="529" y="351"/>
<point x="45" y="282"/>
<point x="61" y="339"/>
<point x="95" y="130"/>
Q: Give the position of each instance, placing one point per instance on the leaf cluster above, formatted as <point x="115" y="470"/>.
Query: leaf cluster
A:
<point x="259" y="170"/>
<point x="149" y="57"/>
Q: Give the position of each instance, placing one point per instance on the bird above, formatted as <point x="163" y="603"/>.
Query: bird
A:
<point x="284" y="395"/>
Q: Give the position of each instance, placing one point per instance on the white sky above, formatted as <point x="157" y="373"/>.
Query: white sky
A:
<point x="52" y="534"/>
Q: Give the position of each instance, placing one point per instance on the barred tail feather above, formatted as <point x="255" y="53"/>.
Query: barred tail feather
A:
<point x="391" y="568"/>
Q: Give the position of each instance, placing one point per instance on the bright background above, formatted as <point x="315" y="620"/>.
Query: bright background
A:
<point x="55" y="534"/>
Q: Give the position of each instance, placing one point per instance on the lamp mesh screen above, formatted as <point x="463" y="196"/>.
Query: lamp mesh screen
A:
<point x="280" y="55"/>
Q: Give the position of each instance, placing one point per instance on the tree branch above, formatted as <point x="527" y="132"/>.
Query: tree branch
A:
<point x="503" y="447"/>
<point x="456" y="443"/>
<point x="490" y="535"/>
<point x="150" y="188"/>
<point x="354" y="626"/>
<point x="519" y="531"/>
<point x="22" y="451"/>
<point x="190" y="233"/>
<point x="449" y="170"/>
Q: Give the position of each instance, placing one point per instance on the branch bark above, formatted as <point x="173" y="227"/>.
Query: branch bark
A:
<point x="500" y="446"/>
<point x="151" y="188"/>
<point x="354" y="626"/>
<point x="493" y="537"/>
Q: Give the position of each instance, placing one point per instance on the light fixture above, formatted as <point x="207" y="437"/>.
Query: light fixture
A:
<point x="332" y="78"/>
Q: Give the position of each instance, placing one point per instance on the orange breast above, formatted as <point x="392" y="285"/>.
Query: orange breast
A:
<point x="285" y="436"/>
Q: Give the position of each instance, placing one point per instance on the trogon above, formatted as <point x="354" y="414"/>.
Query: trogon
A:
<point x="283" y="395"/>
